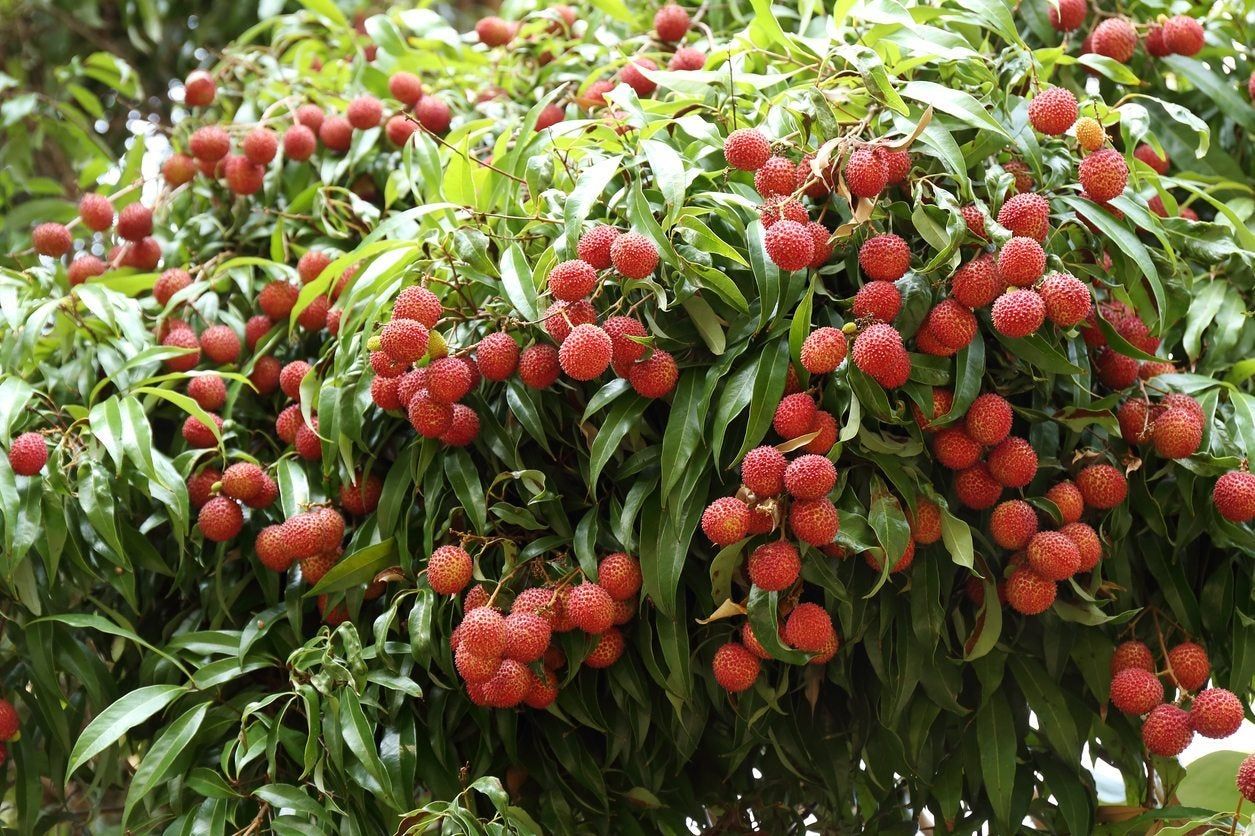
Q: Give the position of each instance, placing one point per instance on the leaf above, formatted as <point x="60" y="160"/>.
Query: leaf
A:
<point x="995" y="729"/>
<point x="622" y="417"/>
<point x="1209" y="784"/>
<point x="161" y="756"/>
<point x="955" y="102"/>
<point x="107" y="727"/>
<point x="1124" y="239"/>
<point x="516" y="280"/>
<point x="464" y="479"/>
<point x="588" y="188"/>
<point x="1222" y="92"/>
<point x="356" y="569"/>
<point x="768" y="387"/>
<point x="668" y="170"/>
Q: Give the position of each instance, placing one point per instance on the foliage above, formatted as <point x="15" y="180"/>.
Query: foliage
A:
<point x="169" y="683"/>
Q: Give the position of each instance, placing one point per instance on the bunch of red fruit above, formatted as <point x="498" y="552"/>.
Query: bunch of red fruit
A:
<point x="508" y="659"/>
<point x="1167" y="728"/>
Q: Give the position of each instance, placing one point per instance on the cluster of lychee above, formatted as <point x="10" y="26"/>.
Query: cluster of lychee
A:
<point x="132" y="226"/>
<point x="792" y="240"/>
<point x="1168" y="727"/>
<point x="507" y="659"/>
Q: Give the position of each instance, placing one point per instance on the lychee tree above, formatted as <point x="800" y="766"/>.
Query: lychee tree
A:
<point x="617" y="420"/>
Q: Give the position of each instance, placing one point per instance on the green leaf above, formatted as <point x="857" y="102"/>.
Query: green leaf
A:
<point x="107" y="727"/>
<point x="995" y="729"/>
<point x="162" y="755"/>
<point x="957" y="103"/>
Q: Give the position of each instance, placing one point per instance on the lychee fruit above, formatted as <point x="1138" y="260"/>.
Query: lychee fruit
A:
<point x="726" y="521"/>
<point x="634" y="255"/>
<point x="762" y="470"/>
<point x="1090" y="134"/>
<point x="607" y="651"/>
<point x="655" y="376"/>
<point x="1018" y="312"/>
<point x="880" y="300"/>
<point x="977" y="283"/>
<point x="776" y="176"/>
<point x="449" y="379"/>
<point x="1021" y="262"/>
<point x="925" y="522"/>
<point x="1012" y="524"/>
<point x="735" y="668"/>
<point x="1177" y="434"/>
<point x="884" y="257"/>
<point x="823" y="350"/>
<point x="1053" y="555"/>
<point x="789" y="245"/>
<point x="1067" y="299"/>
<point x="1102" y="486"/>
<point x="620" y="575"/>
<point x="1115" y="38"/>
<point x="1104" y="173"/>
<point x="28" y="453"/>
<point x="1136" y="691"/>
<point x="814" y="521"/>
<point x="671" y="23"/>
<point x="774" y="566"/>
<point x="746" y="149"/>
<point x="572" y="280"/>
<point x="1087" y="543"/>
<point x="1234" y="496"/>
<point x="1189" y="665"/>
<point x="1026" y="215"/>
<point x="404" y="340"/>
<point x="1028" y="593"/>
<point x="1132" y="654"/>
<point x="220" y="519"/>
<point x="52" y="239"/>
<point x="1052" y="112"/>
<point x="594" y="245"/>
<point x="429" y="418"/>
<point x="1013" y="462"/>
<point x="1246" y="770"/>
<point x="449" y="570"/>
<point x="1166" y="731"/>
<point x="879" y="353"/>
<point x="1183" y="35"/>
<point x="795" y="415"/>
<point x="586" y="353"/>
<point x="955" y="449"/>
<point x="538" y="366"/>
<point x="866" y="172"/>
<point x="951" y="324"/>
<point x="1066" y="15"/>
<point x="808" y="628"/>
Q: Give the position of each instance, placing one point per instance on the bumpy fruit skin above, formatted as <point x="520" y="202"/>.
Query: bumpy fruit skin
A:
<point x="900" y="565"/>
<point x="208" y="391"/>
<point x="572" y="280"/>
<point x="608" y="650"/>
<point x="1053" y="555"/>
<point x="1216" y="713"/>
<point x="1013" y="462"/>
<point x="1132" y="654"/>
<point x="1052" y="111"/>
<point x="735" y="668"/>
<point x="199" y="435"/>
<point x="1136" y="691"/>
<point x="527" y="636"/>
<point x="95" y="211"/>
<point x="84" y="267"/>
<point x="1246" y="771"/>
<point x="762" y="470"/>
<point x="242" y="480"/>
<point x="633" y="255"/>
<point x="952" y="324"/>
<point x="955" y="449"/>
<point x="974" y="219"/>
<point x="925" y="522"/>
<point x="405" y="87"/>
<point x="1234" y="496"/>
<point x="419" y="304"/>
<point x="538" y="366"/>
<point x="774" y="566"/>
<point x="404" y="340"/>
<point x="1104" y="173"/>
<point x="879" y="300"/>
<point x="789" y="245"/>
<point x="777" y="176"/>
<point x="209" y="143"/>
<point x="52" y="239"/>
<point x="795" y="415"/>
<point x="977" y="283"/>
<point x="1183" y="35"/>
<point x="483" y="632"/>
<point x="1147" y="155"/>
<point x="899" y="164"/>
<point x="976" y="488"/>
<point x="1028" y="593"/>
<point x="779" y="208"/>
<point x="1115" y="38"/>
<point x="1115" y="370"/>
<point x="586" y="353"/>
<point x="823" y="350"/>
<point x="169" y="283"/>
<point x="810" y="476"/>
<point x="1066" y="15"/>
<point x="449" y="570"/>
<point x="943" y="400"/>
<point x="989" y="419"/>
<point x="220" y="519"/>
<point x="220" y="344"/>
<point x="1067" y="299"/>
<point x="1087" y="543"/>
<point x="808" y="628"/>
<point x="726" y="520"/>
<point x="594" y="245"/>
<point x="1089" y="133"/>
<point x="433" y="114"/>
<point x="1166" y="731"/>
<point x="866" y="172"/>
<point x="1177" y="434"/>
<point x="449" y="379"/>
<point x="1021" y="262"/>
<point x="884" y="258"/>
<point x="1189" y="665"/>
<point x="879" y="353"/>
<point x="671" y="23"/>
<point x="200" y="485"/>
<point x="1018" y="313"/>
<point x="1102" y="486"/>
<point x="631" y="75"/>
<point x="620" y="575"/>
<point x="655" y="376"/>
<point x="814" y="521"/>
<point x="1013" y="524"/>
<point x="9" y="721"/>
<point x="28" y="453"/>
